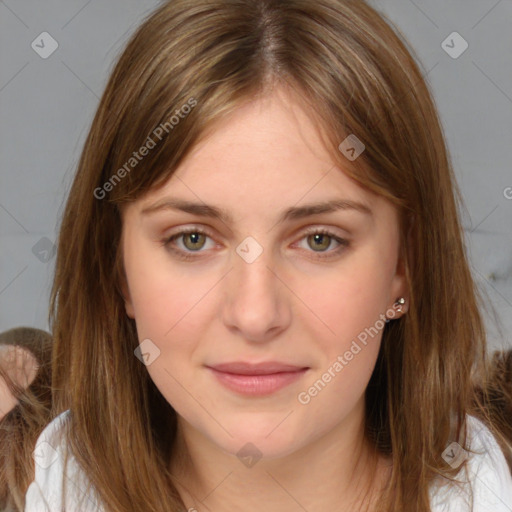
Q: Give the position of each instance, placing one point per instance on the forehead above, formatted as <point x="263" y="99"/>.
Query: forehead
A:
<point x="264" y="162"/>
<point x="268" y="147"/>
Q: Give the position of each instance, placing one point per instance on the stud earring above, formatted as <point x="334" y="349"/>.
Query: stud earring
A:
<point x="399" y="303"/>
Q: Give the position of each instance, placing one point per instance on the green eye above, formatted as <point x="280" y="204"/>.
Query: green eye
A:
<point x="196" y="239"/>
<point x="190" y="244"/>
<point x="320" y="241"/>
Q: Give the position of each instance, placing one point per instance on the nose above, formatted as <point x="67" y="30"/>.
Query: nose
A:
<point x="256" y="300"/>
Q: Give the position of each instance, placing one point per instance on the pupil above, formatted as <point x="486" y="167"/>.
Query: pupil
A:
<point x="194" y="238"/>
<point x="318" y="238"/>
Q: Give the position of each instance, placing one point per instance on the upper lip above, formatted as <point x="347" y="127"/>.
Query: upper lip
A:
<point x="266" y="368"/>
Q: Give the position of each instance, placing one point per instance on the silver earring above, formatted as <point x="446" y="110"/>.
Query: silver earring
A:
<point x="399" y="303"/>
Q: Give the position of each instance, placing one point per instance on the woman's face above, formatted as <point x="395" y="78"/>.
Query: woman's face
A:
<point x="260" y="284"/>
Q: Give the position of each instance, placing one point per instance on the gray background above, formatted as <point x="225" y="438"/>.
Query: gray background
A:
<point x="47" y="105"/>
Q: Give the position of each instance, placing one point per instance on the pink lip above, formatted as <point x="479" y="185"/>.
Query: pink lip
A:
<point x="257" y="379"/>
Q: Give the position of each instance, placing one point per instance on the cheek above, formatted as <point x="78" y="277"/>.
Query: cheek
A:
<point x="346" y="302"/>
<point x="346" y="325"/>
<point x="164" y="297"/>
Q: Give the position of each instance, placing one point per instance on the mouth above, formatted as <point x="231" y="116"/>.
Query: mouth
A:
<point x="257" y="379"/>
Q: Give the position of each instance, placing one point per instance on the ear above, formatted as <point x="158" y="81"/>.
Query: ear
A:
<point x="400" y="286"/>
<point x="123" y="287"/>
<point x="128" y="305"/>
<point x="122" y="281"/>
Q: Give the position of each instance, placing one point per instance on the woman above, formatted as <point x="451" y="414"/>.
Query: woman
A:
<point x="264" y="296"/>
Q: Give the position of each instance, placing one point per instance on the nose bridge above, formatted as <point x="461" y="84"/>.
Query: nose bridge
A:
<point x="254" y="300"/>
<point x="252" y="278"/>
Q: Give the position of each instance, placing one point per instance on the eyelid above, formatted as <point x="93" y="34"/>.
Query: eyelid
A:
<point x="343" y="243"/>
<point x="318" y="228"/>
<point x="190" y="229"/>
<point x="186" y="230"/>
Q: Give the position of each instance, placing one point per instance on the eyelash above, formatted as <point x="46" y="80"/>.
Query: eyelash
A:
<point x="167" y="243"/>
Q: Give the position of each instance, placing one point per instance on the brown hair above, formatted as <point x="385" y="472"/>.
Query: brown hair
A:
<point x="356" y="75"/>
<point x="21" y="426"/>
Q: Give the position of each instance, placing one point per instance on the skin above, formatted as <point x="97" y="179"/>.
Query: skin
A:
<point x="21" y="366"/>
<point x="289" y="305"/>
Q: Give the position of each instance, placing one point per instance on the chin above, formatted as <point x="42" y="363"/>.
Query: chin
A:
<point x="267" y="440"/>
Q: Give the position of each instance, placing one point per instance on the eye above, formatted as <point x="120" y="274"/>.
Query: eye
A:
<point x="321" y="239"/>
<point x="192" y="240"/>
<point x="189" y="241"/>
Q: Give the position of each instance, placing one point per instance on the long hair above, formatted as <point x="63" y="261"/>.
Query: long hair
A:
<point x="21" y="426"/>
<point x="186" y="67"/>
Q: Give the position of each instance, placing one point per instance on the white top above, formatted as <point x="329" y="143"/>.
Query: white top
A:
<point x="488" y="473"/>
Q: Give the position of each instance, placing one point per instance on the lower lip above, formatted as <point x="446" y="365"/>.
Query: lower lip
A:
<point x="257" y="385"/>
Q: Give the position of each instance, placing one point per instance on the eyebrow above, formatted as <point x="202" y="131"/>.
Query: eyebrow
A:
<point x="292" y="213"/>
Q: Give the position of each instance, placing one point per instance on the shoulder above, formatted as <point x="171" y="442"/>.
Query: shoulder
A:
<point x="59" y="483"/>
<point x="486" y="476"/>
